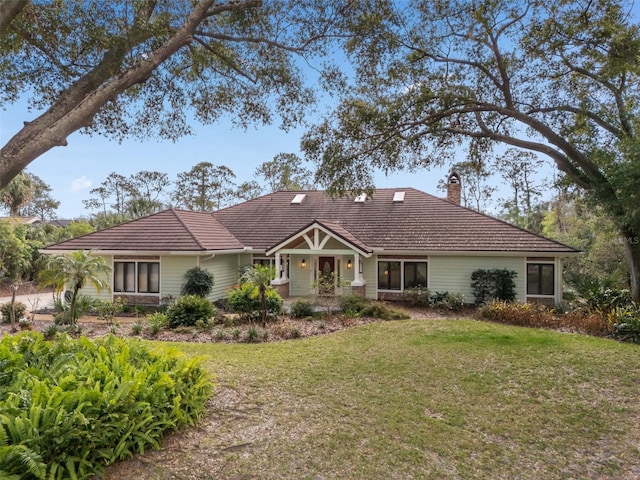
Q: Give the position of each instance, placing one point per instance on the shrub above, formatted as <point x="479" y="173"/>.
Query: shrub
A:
<point x="379" y="310"/>
<point x="294" y="333"/>
<point x="606" y="299"/>
<point x="157" y="321"/>
<point x="19" y="308"/>
<point x="90" y="403"/>
<point x="301" y="308"/>
<point x="627" y="323"/>
<point x="537" y="316"/>
<point x="353" y="304"/>
<point x="188" y="310"/>
<point x="252" y="335"/>
<point x="245" y="300"/>
<point x="493" y="284"/>
<point x="136" y="328"/>
<point x="453" y="302"/>
<point x="107" y="310"/>
<point x="50" y="332"/>
<point x="64" y="315"/>
<point x="417" y="296"/>
<point x="197" y="281"/>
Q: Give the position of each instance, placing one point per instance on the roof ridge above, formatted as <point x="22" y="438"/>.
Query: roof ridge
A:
<point x="182" y="222"/>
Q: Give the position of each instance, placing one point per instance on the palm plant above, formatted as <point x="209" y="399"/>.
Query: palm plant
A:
<point x="75" y="270"/>
<point x="260" y="276"/>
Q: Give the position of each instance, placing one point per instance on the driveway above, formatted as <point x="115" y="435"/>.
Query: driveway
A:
<point x="33" y="301"/>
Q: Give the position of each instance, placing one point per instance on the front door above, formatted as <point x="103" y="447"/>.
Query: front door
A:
<point x="326" y="275"/>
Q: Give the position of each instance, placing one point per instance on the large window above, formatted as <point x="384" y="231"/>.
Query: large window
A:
<point x="389" y="276"/>
<point x="540" y="279"/>
<point x="415" y="274"/>
<point x="136" y="277"/>
<point x="399" y="274"/>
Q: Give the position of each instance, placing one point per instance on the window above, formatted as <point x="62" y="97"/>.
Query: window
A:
<point x="389" y="275"/>
<point x="415" y="274"/>
<point x="264" y="262"/>
<point x="136" y="277"/>
<point x="540" y="279"/>
<point x="401" y="274"/>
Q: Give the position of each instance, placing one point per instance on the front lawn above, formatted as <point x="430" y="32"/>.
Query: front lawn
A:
<point x="412" y="399"/>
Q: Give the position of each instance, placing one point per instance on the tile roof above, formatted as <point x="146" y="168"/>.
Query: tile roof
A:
<point x="169" y="230"/>
<point x="421" y="222"/>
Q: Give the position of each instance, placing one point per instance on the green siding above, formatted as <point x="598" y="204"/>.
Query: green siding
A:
<point x="226" y="272"/>
<point x="370" y="275"/>
<point x="106" y="294"/>
<point x="172" y="269"/>
<point x="300" y="278"/>
<point x="453" y="274"/>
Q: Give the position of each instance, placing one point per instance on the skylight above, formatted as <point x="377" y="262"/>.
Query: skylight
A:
<point x="398" y="197"/>
<point x="298" y="198"/>
<point x="361" y="198"/>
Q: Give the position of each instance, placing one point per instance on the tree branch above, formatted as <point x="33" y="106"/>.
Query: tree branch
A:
<point x="9" y="9"/>
<point x="79" y="103"/>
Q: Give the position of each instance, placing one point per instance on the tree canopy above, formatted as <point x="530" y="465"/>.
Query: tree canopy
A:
<point x="141" y="68"/>
<point x="557" y="78"/>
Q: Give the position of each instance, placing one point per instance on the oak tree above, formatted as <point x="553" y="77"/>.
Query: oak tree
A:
<point x="558" y="78"/>
<point x="145" y="67"/>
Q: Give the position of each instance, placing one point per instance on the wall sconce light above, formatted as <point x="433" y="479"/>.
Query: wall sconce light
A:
<point x="303" y="263"/>
<point x="349" y="264"/>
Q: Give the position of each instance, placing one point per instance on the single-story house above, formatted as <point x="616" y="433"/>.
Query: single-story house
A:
<point x="381" y="244"/>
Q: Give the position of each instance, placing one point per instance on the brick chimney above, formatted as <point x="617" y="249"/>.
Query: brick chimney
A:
<point x="454" y="188"/>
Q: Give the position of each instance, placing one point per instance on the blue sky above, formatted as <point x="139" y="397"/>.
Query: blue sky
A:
<point x="72" y="171"/>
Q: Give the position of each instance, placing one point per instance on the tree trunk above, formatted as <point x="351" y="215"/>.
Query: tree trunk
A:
<point x="12" y="309"/>
<point x="79" y="103"/>
<point x="631" y="238"/>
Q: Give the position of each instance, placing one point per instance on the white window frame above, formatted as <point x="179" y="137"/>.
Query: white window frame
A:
<point x="135" y="277"/>
<point x="402" y="271"/>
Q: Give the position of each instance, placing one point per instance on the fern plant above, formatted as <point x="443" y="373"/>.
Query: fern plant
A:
<point x="69" y="407"/>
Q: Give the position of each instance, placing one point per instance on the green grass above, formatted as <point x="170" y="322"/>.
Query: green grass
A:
<point x="418" y="399"/>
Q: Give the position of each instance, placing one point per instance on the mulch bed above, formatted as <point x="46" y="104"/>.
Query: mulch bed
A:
<point x="282" y="329"/>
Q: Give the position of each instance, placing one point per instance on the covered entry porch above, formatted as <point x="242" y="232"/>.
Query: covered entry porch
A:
<point x="319" y="254"/>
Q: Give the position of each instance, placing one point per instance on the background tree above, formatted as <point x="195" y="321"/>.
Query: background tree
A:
<point x="573" y="221"/>
<point x="248" y="191"/>
<point x="18" y="193"/>
<point x="142" y="68"/>
<point x="558" y="78"/>
<point x="476" y="190"/>
<point x="42" y="204"/>
<point x="147" y="190"/>
<point x="16" y="253"/>
<point x="206" y="187"/>
<point x="518" y="170"/>
<point x="285" y="172"/>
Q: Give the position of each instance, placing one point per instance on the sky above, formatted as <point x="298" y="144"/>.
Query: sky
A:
<point x="86" y="161"/>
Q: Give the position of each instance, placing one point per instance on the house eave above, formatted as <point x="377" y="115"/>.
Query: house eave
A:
<point x="476" y="253"/>
<point x="150" y="252"/>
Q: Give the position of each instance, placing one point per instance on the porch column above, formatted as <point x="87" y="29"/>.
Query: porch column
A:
<point x="278" y="268"/>
<point x="357" y="276"/>
<point x="283" y="268"/>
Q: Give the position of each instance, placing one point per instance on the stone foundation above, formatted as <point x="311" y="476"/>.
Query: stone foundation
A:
<point x="360" y="290"/>
<point x="283" y="290"/>
<point x="140" y="299"/>
<point x="547" y="302"/>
